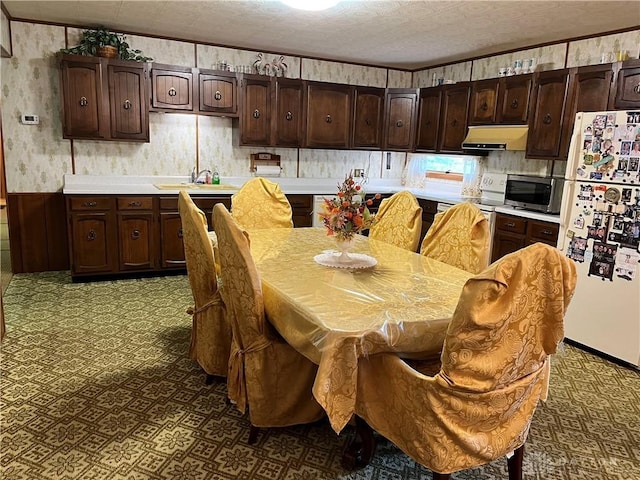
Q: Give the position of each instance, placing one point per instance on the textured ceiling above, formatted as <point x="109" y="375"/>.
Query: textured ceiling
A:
<point x="396" y="34"/>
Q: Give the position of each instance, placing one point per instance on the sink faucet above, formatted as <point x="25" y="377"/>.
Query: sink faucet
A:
<point x="198" y="178"/>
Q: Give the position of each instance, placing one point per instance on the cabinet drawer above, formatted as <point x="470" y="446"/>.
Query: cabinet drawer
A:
<point x="543" y="231"/>
<point x="135" y="203"/>
<point x="302" y="202"/>
<point x="169" y="203"/>
<point x="91" y="203"/>
<point x="511" y="224"/>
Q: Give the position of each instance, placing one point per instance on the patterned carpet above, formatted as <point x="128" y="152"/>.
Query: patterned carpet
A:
<point x="96" y="384"/>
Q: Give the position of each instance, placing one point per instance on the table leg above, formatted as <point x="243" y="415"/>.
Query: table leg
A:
<point x="358" y="453"/>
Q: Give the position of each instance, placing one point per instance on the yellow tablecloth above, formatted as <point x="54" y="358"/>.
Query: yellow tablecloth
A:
<point x="334" y="316"/>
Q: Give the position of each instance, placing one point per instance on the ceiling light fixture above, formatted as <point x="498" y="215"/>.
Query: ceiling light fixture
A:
<point x="311" y="5"/>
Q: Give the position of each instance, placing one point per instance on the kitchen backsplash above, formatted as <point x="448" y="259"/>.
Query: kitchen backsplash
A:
<point x="37" y="157"/>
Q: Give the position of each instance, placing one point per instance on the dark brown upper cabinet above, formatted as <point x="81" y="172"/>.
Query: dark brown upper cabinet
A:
<point x="255" y="118"/>
<point x="483" y="107"/>
<point x="328" y="109"/>
<point x="514" y="99"/>
<point x="104" y="99"/>
<point x="128" y="101"/>
<point x="367" y="117"/>
<point x="442" y="117"/>
<point x="429" y="119"/>
<point x="500" y="100"/>
<point x="590" y="92"/>
<point x="454" y="112"/>
<point x="287" y="119"/>
<point x="400" y="119"/>
<point x="217" y="92"/>
<point x="628" y="85"/>
<point x="549" y="101"/>
<point x="172" y="88"/>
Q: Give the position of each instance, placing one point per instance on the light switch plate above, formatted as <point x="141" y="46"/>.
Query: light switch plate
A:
<point x="30" y="119"/>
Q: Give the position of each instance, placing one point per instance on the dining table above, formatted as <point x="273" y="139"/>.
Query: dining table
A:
<point x="386" y="299"/>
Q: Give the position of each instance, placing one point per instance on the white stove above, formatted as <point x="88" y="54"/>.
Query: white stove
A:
<point x="493" y="185"/>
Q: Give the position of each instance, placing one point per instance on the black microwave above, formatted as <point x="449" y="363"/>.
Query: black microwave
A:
<point x="542" y="194"/>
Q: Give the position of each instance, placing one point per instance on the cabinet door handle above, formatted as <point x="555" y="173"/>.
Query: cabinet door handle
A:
<point x="256" y="113"/>
<point x="92" y="235"/>
<point x="180" y="234"/>
<point x="367" y="122"/>
<point x="510" y="224"/>
<point x="135" y="235"/>
<point x="484" y="107"/>
<point x="135" y="204"/>
<point x="83" y="101"/>
<point x="454" y="123"/>
<point x="127" y="105"/>
<point x="289" y="116"/>
<point x="328" y="119"/>
<point x="547" y="119"/>
<point x="637" y="88"/>
<point x="172" y="92"/>
<point x="89" y="204"/>
<point x="546" y="232"/>
<point x="217" y="95"/>
<point x="399" y="124"/>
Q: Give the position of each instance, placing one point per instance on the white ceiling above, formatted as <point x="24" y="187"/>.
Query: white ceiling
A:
<point x="397" y="34"/>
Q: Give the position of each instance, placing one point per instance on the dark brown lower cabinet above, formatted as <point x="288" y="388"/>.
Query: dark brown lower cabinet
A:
<point x="136" y="238"/>
<point x="513" y="233"/>
<point x="429" y="210"/>
<point x="302" y="206"/>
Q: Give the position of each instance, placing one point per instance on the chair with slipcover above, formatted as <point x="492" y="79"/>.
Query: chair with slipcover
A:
<point x="398" y="221"/>
<point x="460" y="237"/>
<point x="266" y="374"/>
<point x="494" y="369"/>
<point x="210" y="332"/>
<point x="260" y="203"/>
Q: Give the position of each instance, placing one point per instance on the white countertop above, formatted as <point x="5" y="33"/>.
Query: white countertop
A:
<point x="145" y="185"/>
<point x="545" y="217"/>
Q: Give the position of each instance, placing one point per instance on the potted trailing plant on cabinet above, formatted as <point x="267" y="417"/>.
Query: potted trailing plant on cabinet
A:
<point x="103" y="43"/>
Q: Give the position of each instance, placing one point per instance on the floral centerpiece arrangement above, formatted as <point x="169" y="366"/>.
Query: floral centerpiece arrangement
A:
<point x="347" y="214"/>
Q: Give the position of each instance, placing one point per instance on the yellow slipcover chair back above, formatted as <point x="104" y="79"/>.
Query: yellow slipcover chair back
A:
<point x="398" y="221"/>
<point x="261" y="204"/>
<point x="460" y="237"/>
<point x="211" y="332"/>
<point x="495" y="367"/>
<point x="265" y="373"/>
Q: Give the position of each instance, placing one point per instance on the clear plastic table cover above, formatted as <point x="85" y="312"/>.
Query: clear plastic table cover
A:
<point x="334" y="316"/>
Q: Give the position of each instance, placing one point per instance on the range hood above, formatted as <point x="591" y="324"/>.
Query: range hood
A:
<point x="496" y="137"/>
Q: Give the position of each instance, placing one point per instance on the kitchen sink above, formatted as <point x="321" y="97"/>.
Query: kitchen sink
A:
<point x="194" y="186"/>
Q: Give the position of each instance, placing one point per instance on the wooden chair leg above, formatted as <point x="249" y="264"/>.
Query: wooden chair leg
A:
<point x="441" y="476"/>
<point x="253" y="434"/>
<point x="514" y="464"/>
<point x="358" y="454"/>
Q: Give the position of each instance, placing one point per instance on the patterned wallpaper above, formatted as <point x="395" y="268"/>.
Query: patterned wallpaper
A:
<point x="324" y="71"/>
<point x="36" y="157"/>
<point x="398" y="79"/>
<point x="458" y="72"/>
<point x="550" y="57"/>
<point x="592" y="50"/>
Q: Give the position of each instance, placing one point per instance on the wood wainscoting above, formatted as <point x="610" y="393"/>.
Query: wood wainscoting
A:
<point x="37" y="232"/>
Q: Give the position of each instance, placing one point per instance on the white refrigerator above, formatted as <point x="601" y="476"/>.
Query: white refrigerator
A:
<point x="600" y="230"/>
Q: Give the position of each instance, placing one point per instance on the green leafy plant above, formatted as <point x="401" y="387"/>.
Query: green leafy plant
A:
<point x="102" y="37"/>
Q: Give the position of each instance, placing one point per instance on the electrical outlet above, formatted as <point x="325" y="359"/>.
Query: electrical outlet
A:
<point x="358" y="172"/>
